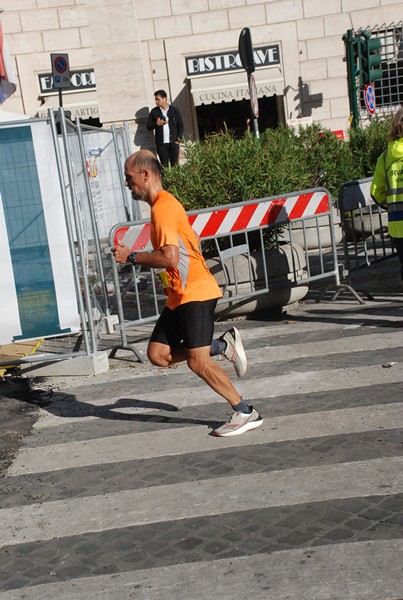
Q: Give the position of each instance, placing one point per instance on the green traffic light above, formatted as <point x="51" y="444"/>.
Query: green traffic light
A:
<point x="370" y="57"/>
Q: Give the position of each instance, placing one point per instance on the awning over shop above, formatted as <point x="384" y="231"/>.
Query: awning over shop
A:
<point x="227" y="87"/>
<point x="83" y="105"/>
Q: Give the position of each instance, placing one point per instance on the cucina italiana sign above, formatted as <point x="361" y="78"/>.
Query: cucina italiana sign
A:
<point x="79" y="80"/>
<point x="241" y="93"/>
<point x="222" y="62"/>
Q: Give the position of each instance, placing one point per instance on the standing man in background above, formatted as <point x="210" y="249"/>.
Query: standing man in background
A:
<point x="166" y="121"/>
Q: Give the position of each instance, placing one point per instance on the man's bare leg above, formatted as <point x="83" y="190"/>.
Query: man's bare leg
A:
<point x="200" y="362"/>
<point x="244" y="417"/>
<point x="162" y="355"/>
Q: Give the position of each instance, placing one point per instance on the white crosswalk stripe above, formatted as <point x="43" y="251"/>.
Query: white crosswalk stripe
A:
<point x="305" y="382"/>
<point x="210" y="497"/>
<point x="69" y="443"/>
<point x="196" y="439"/>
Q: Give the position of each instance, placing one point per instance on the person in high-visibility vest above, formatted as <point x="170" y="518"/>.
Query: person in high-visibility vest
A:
<point x="387" y="183"/>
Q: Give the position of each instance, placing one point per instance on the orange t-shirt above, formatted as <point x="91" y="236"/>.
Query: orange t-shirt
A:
<point x="191" y="280"/>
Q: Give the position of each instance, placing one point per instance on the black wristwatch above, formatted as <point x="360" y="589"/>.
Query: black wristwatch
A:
<point x="132" y="258"/>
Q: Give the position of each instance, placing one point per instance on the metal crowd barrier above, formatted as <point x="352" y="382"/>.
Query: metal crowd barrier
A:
<point x="235" y="240"/>
<point x="67" y="313"/>
<point x="365" y="227"/>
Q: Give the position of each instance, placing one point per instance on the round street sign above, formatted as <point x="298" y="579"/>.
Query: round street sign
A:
<point x="60" y="64"/>
<point x="369" y="98"/>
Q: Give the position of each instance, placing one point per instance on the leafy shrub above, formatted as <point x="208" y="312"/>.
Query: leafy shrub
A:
<point x="326" y="159"/>
<point x="223" y="170"/>
<point x="367" y="144"/>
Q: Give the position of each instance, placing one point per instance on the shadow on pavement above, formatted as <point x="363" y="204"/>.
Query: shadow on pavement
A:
<point x="66" y="406"/>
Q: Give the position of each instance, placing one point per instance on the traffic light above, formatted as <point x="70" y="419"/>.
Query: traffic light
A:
<point x="370" y="58"/>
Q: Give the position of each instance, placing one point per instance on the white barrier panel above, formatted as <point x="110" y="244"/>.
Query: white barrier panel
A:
<point x="355" y="194"/>
<point x="103" y="171"/>
<point x="37" y="291"/>
<point x="365" y="226"/>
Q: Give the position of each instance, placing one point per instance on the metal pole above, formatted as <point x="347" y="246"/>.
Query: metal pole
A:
<point x="254" y="119"/>
<point x="98" y="251"/>
<point x="333" y="241"/>
<point x="129" y="215"/>
<point x="127" y="139"/>
<point x="79" y="234"/>
<point x="350" y="41"/>
<point x="119" y="303"/>
<point x="69" y="228"/>
<point x="256" y="127"/>
<point x="136" y="210"/>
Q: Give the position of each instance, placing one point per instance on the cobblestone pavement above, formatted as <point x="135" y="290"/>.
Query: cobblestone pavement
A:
<point x="120" y="490"/>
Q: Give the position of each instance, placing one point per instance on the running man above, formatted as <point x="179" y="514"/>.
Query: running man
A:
<point x="184" y="330"/>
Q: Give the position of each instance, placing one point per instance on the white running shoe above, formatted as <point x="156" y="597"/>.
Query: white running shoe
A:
<point x="234" y="350"/>
<point x="239" y="423"/>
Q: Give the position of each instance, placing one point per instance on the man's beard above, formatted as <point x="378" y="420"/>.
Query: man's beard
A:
<point x="142" y="195"/>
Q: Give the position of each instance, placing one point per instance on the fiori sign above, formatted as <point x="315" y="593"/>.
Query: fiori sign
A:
<point x="222" y="62"/>
<point x="79" y="80"/>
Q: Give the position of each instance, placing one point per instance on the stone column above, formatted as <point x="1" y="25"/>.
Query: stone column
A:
<point x="122" y="84"/>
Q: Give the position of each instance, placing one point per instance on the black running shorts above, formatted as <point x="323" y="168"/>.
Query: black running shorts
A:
<point x="191" y="323"/>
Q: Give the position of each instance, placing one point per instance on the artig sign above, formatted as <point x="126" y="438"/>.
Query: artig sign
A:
<point x="230" y="61"/>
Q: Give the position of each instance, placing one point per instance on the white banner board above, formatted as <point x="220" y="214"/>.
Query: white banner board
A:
<point x="37" y="291"/>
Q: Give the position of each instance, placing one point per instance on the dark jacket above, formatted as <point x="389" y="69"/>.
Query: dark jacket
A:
<point x="174" y="121"/>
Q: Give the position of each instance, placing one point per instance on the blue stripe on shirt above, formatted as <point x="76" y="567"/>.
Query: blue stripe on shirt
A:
<point x="395" y="216"/>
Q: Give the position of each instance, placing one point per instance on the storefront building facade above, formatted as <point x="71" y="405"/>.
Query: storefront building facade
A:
<point x="121" y="51"/>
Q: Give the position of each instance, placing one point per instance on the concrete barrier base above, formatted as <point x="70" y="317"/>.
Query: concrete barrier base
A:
<point x="80" y="365"/>
<point x="283" y="265"/>
<point x="309" y="237"/>
<point x="109" y="322"/>
<point x="275" y="299"/>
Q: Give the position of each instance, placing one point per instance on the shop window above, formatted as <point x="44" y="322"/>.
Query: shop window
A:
<point x="235" y="116"/>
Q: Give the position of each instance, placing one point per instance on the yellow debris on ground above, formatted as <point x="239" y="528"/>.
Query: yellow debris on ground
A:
<point x="9" y="353"/>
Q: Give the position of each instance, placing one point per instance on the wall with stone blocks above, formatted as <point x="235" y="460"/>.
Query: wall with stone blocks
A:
<point x="137" y="46"/>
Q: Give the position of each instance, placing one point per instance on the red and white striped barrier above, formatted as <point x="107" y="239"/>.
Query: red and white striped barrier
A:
<point x="238" y="217"/>
<point x="253" y="280"/>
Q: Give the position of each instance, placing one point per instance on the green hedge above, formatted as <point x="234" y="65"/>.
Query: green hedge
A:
<point x="367" y="144"/>
<point x="222" y="169"/>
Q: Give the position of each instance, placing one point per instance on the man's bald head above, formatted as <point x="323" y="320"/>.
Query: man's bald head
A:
<point x="143" y="175"/>
<point x="144" y="159"/>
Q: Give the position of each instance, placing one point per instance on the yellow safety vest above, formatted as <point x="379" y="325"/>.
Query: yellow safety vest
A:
<point x="387" y="186"/>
